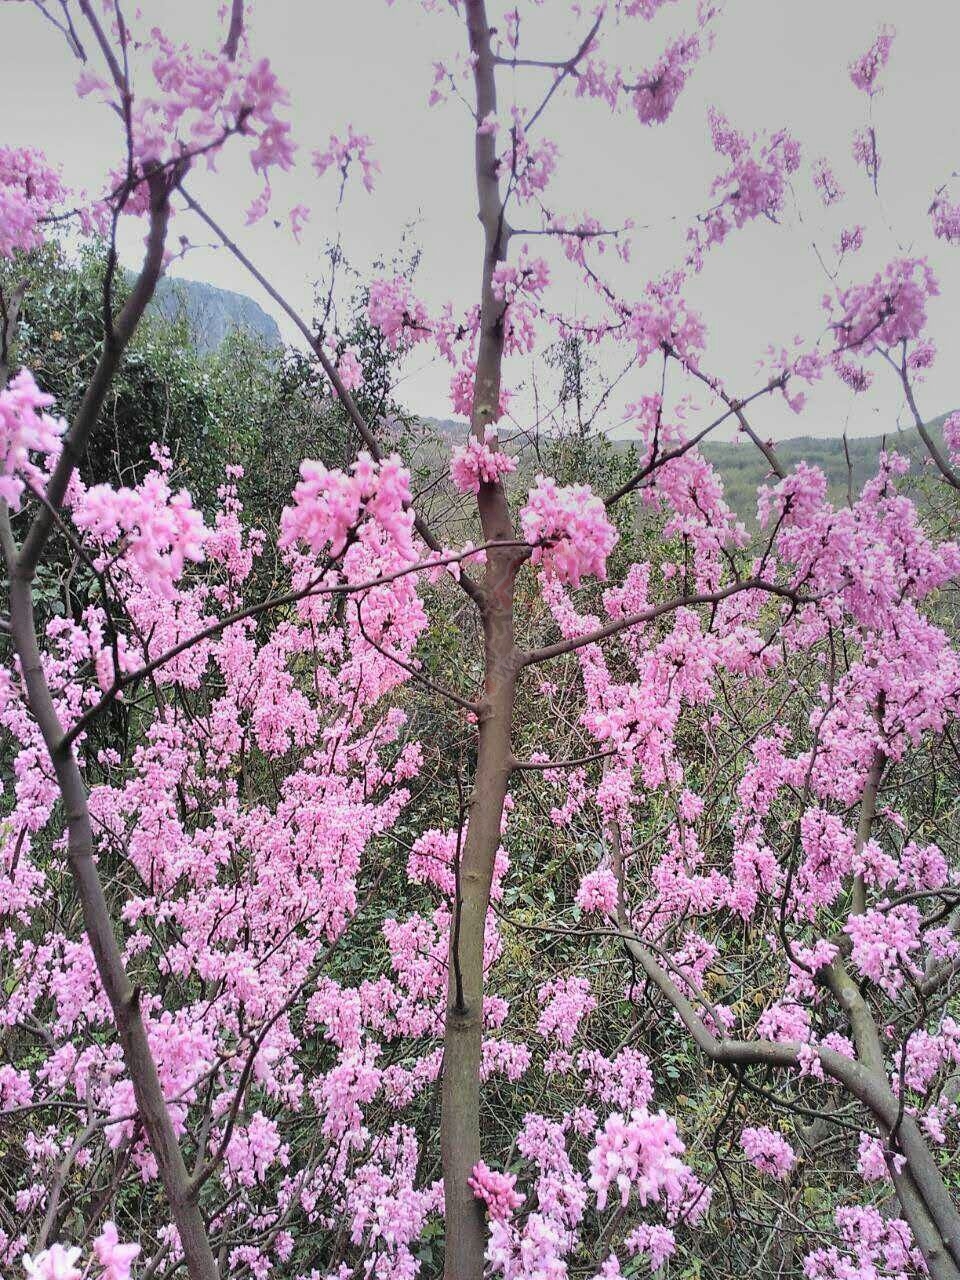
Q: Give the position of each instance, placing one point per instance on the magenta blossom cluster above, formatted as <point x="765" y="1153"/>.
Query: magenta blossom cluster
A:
<point x="25" y="428"/>
<point x="329" y="506"/>
<point x="568" y="528"/>
<point x="30" y="191"/>
<point x="866" y="69"/>
<point x="768" y="1151"/>
<point x="479" y="462"/>
<point x="111" y="1260"/>
<point x="496" y="1190"/>
<point x="341" y="153"/>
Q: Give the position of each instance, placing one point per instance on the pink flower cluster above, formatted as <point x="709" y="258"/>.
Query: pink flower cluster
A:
<point x="657" y="89"/>
<point x="480" y="462"/>
<point x="946" y="220"/>
<point x="768" y="1151"/>
<point x="25" y="428"/>
<point x="865" y="70"/>
<point x="329" y="505"/>
<point x="754" y="185"/>
<point x="872" y="1247"/>
<point x="566" y="1002"/>
<point x="826" y="183"/>
<point x="598" y="891"/>
<point x="638" y="1153"/>
<point x="340" y="153"/>
<point x="851" y="239"/>
<point x="884" y="944"/>
<point x="202" y="98"/>
<point x="113" y="1260"/>
<point x="394" y="310"/>
<point x="527" y="165"/>
<point x="951" y="435"/>
<point x="496" y="1190"/>
<point x="567" y="527"/>
<point x="663" y="321"/>
<point x="890" y="308"/>
<point x="866" y="152"/>
<point x="30" y="190"/>
<point x="158" y="531"/>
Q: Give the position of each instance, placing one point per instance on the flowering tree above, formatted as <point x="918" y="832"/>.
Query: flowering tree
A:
<point x="737" y="730"/>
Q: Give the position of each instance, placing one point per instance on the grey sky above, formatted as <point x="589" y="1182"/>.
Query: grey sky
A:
<point x="775" y="63"/>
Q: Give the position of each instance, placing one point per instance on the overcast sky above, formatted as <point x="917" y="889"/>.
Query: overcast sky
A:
<point x="775" y="63"/>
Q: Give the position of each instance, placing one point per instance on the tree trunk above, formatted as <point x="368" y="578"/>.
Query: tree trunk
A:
<point x="21" y="567"/>
<point x="463" y="1033"/>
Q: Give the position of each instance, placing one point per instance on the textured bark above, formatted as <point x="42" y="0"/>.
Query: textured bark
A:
<point x="931" y="1224"/>
<point x="21" y="567"/>
<point x="460" y="1114"/>
<point x="925" y="1194"/>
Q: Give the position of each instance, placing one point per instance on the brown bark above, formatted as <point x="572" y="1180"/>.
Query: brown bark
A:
<point x="460" y="1112"/>
<point x="21" y="567"/>
<point x="935" y="1218"/>
<point x="932" y="1231"/>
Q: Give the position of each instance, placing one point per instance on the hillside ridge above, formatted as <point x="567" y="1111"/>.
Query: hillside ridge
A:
<point x="743" y="468"/>
<point x="212" y="314"/>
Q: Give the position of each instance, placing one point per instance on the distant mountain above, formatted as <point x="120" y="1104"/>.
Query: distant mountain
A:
<point x="454" y="430"/>
<point x="213" y="314"/>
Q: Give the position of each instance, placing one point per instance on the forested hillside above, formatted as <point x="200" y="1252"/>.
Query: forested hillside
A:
<point x="847" y="467"/>
<point x="743" y="469"/>
<point x="449" y="847"/>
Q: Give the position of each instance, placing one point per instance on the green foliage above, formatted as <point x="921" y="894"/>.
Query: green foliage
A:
<point x="248" y="400"/>
<point x="162" y="394"/>
<point x="743" y="468"/>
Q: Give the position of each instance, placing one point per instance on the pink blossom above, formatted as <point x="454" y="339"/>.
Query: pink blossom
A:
<point x="883" y="944"/>
<point x="946" y="220"/>
<point x="825" y="182"/>
<point x="329" y="505"/>
<point x="24" y="429"/>
<point x="350" y="369"/>
<point x="754" y="185"/>
<point x="890" y="308"/>
<point x="55" y="1263"/>
<point x="768" y="1151"/>
<point x="638" y="1154"/>
<point x="951" y="435"/>
<point x="158" y="530"/>
<point x="865" y="70"/>
<point x="657" y="1243"/>
<point x="598" y="892"/>
<point x="568" y="529"/>
<point x="851" y="239"/>
<point x="115" y="1258"/>
<point x="657" y="89"/>
<point x="394" y="310"/>
<point x="527" y="165"/>
<point x="341" y="153"/>
<point x="479" y="462"/>
<point x="29" y="191"/>
<point x="865" y="152"/>
<point x="496" y="1190"/>
<point x="566" y="1002"/>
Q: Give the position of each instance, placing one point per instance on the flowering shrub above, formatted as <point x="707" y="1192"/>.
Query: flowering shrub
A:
<point x="332" y="930"/>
